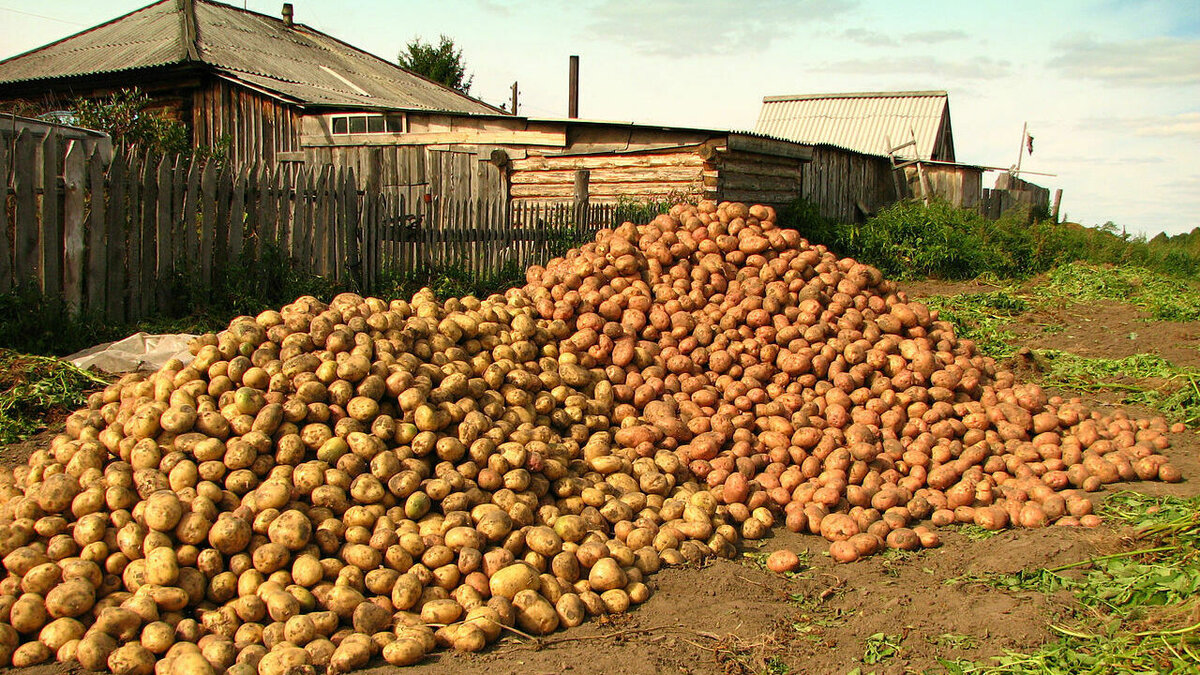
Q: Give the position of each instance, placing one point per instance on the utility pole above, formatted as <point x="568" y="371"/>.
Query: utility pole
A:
<point x="514" y="98"/>
<point x="573" y="89"/>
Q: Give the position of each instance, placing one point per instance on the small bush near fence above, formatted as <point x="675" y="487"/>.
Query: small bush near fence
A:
<point x="911" y="240"/>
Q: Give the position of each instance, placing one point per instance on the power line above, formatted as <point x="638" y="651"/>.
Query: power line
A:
<point x="41" y="16"/>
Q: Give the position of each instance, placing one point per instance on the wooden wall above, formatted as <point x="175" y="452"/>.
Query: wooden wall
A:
<point x="757" y="178"/>
<point x="961" y="186"/>
<point x="645" y="175"/>
<point x="258" y="126"/>
<point x="847" y="185"/>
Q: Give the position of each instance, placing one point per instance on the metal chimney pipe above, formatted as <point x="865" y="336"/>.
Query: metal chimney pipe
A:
<point x="288" y="14"/>
<point x="573" y="89"/>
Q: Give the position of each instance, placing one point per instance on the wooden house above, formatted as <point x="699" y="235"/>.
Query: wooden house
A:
<point x="227" y="73"/>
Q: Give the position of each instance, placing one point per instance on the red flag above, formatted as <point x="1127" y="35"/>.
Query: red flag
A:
<point x="1029" y="142"/>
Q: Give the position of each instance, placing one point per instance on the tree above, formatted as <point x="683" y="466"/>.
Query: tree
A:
<point x="127" y="117"/>
<point x="441" y="63"/>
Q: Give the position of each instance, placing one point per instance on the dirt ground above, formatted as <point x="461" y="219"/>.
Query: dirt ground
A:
<point x="732" y="617"/>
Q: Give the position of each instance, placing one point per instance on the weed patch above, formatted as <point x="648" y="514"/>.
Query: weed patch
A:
<point x="880" y="647"/>
<point x="33" y="388"/>
<point x="1165" y="298"/>
<point x="1142" y="379"/>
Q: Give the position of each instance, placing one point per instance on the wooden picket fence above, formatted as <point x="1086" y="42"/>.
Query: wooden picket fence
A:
<point x="114" y="240"/>
<point x="476" y="239"/>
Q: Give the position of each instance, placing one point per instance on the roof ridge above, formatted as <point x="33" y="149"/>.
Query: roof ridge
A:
<point x="859" y="94"/>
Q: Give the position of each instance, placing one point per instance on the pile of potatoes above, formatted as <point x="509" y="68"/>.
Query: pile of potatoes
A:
<point x="792" y="381"/>
<point x="328" y="484"/>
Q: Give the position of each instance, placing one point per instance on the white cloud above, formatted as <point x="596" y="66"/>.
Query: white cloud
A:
<point x="933" y="37"/>
<point x="926" y="67"/>
<point x="1157" y="61"/>
<point x="683" y="28"/>
<point x="1184" y="124"/>
<point x="871" y="38"/>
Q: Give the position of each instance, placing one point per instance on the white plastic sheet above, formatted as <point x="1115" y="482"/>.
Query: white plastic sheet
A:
<point x="140" y="351"/>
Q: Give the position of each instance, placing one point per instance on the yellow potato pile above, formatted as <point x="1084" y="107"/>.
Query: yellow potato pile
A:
<point x="326" y="484"/>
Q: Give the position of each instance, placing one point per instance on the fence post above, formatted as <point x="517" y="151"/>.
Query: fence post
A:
<point x="115" y="247"/>
<point x="165" y="222"/>
<point x="28" y="262"/>
<point x="73" y="176"/>
<point x="52" y="229"/>
<point x="97" y="235"/>
<point x="6" y="261"/>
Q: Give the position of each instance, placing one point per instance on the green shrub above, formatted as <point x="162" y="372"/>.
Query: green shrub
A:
<point x="910" y="240"/>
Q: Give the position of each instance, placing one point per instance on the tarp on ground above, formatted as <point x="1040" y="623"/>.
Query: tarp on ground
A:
<point x="140" y="351"/>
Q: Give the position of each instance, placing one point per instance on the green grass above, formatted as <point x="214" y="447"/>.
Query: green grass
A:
<point x="1138" y="606"/>
<point x="1165" y="298"/>
<point x="35" y="387"/>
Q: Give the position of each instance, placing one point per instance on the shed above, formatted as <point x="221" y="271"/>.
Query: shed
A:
<point x="865" y="122"/>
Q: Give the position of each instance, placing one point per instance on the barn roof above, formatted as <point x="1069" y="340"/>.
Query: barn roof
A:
<point x="863" y="121"/>
<point x="296" y="62"/>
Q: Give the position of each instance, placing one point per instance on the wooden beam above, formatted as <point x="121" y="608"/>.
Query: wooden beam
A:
<point x="556" y="139"/>
<point x="767" y="146"/>
<point x="73" y="176"/>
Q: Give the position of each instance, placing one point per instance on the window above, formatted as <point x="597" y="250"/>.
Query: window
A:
<point x="368" y="124"/>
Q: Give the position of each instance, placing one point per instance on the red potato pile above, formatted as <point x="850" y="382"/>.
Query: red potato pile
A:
<point x="330" y="483"/>
<point x="788" y="378"/>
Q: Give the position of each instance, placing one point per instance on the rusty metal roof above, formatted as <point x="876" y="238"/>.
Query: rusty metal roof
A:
<point x="863" y="122"/>
<point x="295" y="62"/>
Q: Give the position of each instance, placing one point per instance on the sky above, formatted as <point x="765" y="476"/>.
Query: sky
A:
<point x="1110" y="89"/>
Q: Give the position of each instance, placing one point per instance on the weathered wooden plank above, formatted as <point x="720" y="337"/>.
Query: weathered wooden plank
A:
<point x="178" y="170"/>
<point x="221" y="253"/>
<point x="73" y="193"/>
<point x="608" y="161"/>
<point x="115" y="240"/>
<point x="133" y="236"/>
<point x="148" y="274"/>
<point x="283" y="212"/>
<point x="28" y="262"/>
<point x="166" y="234"/>
<point x="6" y="251"/>
<point x="601" y="176"/>
<point x="188" y="227"/>
<point x="600" y="192"/>
<point x="97" y="236"/>
<point x="208" y="218"/>
<point x="744" y="182"/>
<point x="320" y="223"/>
<point x="301" y="224"/>
<point x="237" y="215"/>
<point x="351" y="253"/>
<point x="266" y="229"/>
<point x="51" y="230"/>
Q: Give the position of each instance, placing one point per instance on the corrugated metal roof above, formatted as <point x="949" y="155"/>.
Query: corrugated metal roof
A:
<point x="151" y="36"/>
<point x="861" y="121"/>
<point x="296" y="62"/>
